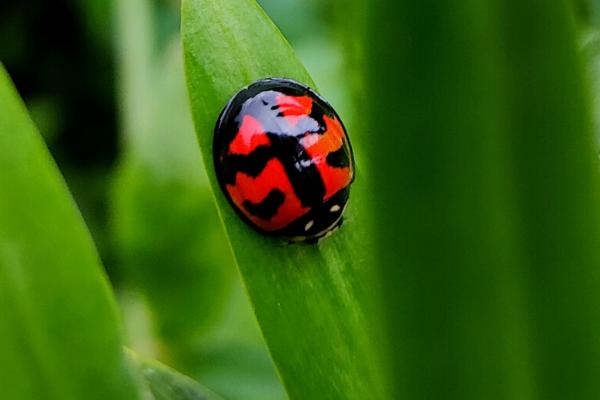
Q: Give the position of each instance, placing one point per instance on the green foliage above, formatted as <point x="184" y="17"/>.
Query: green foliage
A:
<point x="486" y="196"/>
<point x="310" y="301"/>
<point x="59" y="334"/>
<point x="475" y="205"/>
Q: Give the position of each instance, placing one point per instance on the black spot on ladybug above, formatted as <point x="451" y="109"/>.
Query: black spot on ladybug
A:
<point x="338" y="158"/>
<point x="267" y="208"/>
<point x="317" y="114"/>
<point x="251" y="164"/>
<point x="306" y="180"/>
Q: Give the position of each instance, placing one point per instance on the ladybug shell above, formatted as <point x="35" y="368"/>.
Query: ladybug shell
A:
<point x="283" y="159"/>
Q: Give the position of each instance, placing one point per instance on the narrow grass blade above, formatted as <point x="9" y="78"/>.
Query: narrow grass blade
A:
<point x="310" y="300"/>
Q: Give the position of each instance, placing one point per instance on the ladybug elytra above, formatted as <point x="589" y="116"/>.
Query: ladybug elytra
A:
<point x="283" y="159"/>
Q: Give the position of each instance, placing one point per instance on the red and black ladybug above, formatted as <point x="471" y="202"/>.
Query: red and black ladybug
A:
<point x="283" y="159"/>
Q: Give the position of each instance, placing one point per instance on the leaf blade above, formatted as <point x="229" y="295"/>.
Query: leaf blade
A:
<point x="319" y="290"/>
<point x="59" y="322"/>
<point x="493" y="173"/>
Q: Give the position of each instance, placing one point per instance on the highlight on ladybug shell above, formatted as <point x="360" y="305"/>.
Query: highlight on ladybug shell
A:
<point x="283" y="159"/>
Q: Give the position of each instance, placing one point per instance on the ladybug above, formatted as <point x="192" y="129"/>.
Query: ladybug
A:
<point x="283" y="159"/>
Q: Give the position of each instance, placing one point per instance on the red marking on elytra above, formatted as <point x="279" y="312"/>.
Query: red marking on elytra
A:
<point x="294" y="108"/>
<point x="255" y="190"/>
<point x="251" y="135"/>
<point x="294" y="105"/>
<point x="319" y="146"/>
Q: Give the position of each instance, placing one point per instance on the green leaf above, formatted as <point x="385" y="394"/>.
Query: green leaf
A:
<point x="166" y="384"/>
<point x="555" y="166"/>
<point x="59" y="333"/>
<point x="490" y="254"/>
<point x="310" y="300"/>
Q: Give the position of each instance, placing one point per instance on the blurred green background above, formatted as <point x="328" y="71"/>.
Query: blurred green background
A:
<point x="103" y="81"/>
